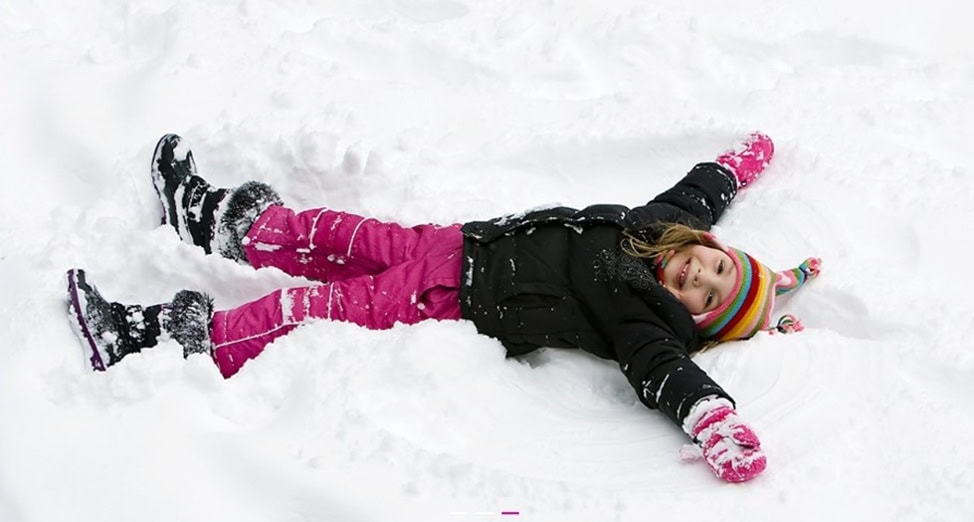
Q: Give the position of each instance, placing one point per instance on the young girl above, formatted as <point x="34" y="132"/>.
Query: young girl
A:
<point x="646" y="286"/>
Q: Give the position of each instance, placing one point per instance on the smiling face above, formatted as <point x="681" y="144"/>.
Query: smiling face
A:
<point x="700" y="277"/>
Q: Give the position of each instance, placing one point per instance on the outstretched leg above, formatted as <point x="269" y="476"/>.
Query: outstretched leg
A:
<point x="328" y="245"/>
<point x="249" y="224"/>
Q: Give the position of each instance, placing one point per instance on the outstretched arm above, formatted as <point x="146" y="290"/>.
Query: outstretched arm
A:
<point x="660" y="370"/>
<point x="699" y="199"/>
<point x="665" y="378"/>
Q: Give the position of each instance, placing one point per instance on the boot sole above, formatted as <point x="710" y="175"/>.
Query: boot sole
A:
<point x="158" y="180"/>
<point x="76" y="306"/>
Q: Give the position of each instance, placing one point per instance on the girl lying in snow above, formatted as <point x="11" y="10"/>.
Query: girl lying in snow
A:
<point x="646" y="286"/>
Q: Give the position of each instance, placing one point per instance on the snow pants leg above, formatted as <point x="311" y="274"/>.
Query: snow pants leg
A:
<point x="374" y="274"/>
<point x="328" y="245"/>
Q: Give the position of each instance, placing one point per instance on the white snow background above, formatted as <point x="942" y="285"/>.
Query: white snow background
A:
<point x="454" y="110"/>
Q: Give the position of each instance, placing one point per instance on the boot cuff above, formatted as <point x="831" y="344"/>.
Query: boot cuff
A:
<point x="245" y="204"/>
<point x="188" y="321"/>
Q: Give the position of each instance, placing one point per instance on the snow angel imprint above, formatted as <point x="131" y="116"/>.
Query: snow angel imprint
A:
<point x="645" y="286"/>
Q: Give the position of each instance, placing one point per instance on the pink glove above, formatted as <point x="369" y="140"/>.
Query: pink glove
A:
<point x="748" y="158"/>
<point x="729" y="446"/>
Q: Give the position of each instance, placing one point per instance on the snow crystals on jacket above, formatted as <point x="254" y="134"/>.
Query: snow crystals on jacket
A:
<point x="558" y="278"/>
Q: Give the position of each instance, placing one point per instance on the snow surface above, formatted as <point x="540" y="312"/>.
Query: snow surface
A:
<point x="450" y="110"/>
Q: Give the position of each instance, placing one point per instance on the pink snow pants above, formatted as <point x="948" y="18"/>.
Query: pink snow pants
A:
<point x="373" y="274"/>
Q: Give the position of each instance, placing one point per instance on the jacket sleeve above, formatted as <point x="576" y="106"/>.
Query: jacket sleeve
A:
<point x="697" y="200"/>
<point x="660" y="370"/>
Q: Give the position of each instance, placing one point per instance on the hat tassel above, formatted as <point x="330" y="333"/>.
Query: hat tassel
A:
<point x="788" y="324"/>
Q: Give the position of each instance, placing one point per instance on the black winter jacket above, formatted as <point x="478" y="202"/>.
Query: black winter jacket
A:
<point x="558" y="278"/>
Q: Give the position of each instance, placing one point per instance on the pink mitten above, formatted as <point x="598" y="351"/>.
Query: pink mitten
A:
<point x="729" y="446"/>
<point x="748" y="158"/>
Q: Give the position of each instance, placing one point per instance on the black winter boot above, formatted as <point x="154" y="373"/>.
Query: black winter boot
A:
<point x="216" y="219"/>
<point x="110" y="331"/>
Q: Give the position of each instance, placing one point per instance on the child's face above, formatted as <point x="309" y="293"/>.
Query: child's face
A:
<point x="700" y="277"/>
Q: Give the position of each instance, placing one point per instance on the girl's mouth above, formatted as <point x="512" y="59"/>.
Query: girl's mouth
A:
<point x="682" y="278"/>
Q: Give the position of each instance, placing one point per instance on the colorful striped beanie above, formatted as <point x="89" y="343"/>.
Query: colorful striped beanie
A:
<point x="749" y="308"/>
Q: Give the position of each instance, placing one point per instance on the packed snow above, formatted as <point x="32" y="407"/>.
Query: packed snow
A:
<point x="453" y="110"/>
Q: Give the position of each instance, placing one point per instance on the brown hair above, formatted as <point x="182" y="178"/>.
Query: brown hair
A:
<point x="675" y="236"/>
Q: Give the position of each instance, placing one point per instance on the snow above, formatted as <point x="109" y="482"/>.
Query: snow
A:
<point x="453" y="110"/>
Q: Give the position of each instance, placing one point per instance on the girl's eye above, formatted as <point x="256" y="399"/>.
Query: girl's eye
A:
<point x="720" y="267"/>
<point x="710" y="299"/>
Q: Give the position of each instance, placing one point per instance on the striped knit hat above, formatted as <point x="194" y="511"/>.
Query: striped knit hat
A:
<point x="749" y="308"/>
